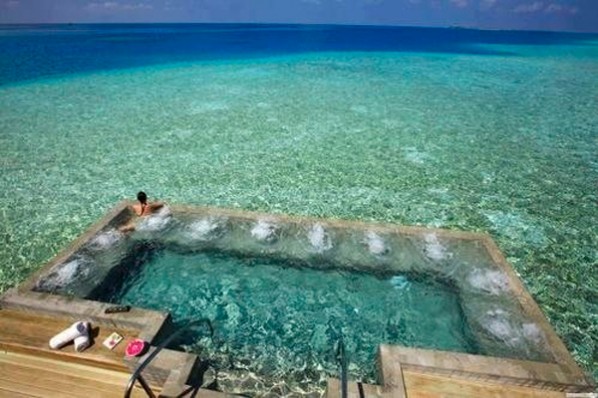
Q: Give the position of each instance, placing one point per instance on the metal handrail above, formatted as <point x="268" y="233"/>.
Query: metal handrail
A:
<point x="136" y="376"/>
<point x="342" y="357"/>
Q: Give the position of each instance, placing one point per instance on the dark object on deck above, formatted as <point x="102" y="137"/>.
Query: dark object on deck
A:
<point x="117" y="308"/>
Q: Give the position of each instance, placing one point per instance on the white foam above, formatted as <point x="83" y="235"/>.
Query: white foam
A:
<point x="497" y="323"/>
<point x="433" y="249"/>
<point x="532" y="332"/>
<point x="106" y="239"/>
<point x="500" y="328"/>
<point x="375" y="243"/>
<point x="493" y="282"/>
<point x="264" y="231"/>
<point x="319" y="238"/>
<point x="163" y="211"/>
<point x="155" y="222"/>
<point x="204" y="229"/>
<point x="65" y="274"/>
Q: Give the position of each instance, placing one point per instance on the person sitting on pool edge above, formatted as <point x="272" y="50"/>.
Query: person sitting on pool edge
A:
<point x="145" y="208"/>
<point x="141" y="209"/>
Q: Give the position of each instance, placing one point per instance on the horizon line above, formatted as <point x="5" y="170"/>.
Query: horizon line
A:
<point x="454" y="26"/>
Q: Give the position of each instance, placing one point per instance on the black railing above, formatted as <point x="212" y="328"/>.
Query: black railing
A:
<point x="341" y="356"/>
<point x="136" y="376"/>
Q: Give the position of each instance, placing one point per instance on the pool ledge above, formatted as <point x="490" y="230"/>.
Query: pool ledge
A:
<point x="395" y="360"/>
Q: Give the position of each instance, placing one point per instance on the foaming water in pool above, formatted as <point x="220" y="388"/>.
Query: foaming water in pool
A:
<point x="155" y="222"/>
<point x="205" y="229"/>
<point x="493" y="282"/>
<point x="264" y="231"/>
<point x="282" y="322"/>
<point x="375" y="243"/>
<point x="106" y="239"/>
<point x="503" y="327"/>
<point x="66" y="274"/>
<point x="434" y="249"/>
<point x="319" y="238"/>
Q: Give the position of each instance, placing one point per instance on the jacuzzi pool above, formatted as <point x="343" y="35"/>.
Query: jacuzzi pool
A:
<point x="281" y="290"/>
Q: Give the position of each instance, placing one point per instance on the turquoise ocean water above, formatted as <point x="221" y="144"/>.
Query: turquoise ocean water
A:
<point x="468" y="130"/>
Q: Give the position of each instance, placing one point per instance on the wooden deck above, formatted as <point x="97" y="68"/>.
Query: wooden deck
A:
<point x="29" y="368"/>
<point x="24" y="375"/>
<point x="29" y="333"/>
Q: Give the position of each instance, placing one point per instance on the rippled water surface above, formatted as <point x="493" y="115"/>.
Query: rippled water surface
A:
<point x="483" y="131"/>
<point x="284" y="323"/>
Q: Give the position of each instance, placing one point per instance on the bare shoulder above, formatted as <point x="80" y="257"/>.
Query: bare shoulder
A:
<point x="137" y="209"/>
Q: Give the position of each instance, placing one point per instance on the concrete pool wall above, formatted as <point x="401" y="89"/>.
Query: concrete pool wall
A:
<point x="486" y="282"/>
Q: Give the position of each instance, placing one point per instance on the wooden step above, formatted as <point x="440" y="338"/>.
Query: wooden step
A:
<point x="29" y="333"/>
<point x="24" y="375"/>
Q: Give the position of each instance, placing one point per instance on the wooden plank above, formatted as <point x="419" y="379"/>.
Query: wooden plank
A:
<point x="14" y="394"/>
<point x="41" y="377"/>
<point x="31" y="390"/>
<point x="42" y="364"/>
<point x="52" y="381"/>
<point x="69" y="381"/>
<point x="421" y="385"/>
<point x="58" y="383"/>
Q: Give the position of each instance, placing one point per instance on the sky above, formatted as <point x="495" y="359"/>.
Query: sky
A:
<point x="559" y="15"/>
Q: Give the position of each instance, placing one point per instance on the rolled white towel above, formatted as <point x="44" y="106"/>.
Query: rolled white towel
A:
<point x="83" y="341"/>
<point x="69" y="334"/>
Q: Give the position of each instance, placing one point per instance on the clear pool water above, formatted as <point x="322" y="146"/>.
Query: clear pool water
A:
<point x="463" y="129"/>
<point x="283" y="322"/>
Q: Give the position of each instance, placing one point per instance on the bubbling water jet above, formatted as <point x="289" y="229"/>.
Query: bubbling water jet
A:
<point x="319" y="238"/>
<point x="265" y="231"/>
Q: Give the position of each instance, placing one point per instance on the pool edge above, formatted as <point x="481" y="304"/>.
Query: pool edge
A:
<point x="564" y="375"/>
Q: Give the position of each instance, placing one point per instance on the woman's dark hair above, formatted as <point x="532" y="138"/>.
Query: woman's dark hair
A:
<point x="142" y="197"/>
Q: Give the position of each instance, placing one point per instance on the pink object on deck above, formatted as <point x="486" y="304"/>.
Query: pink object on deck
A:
<point x="136" y="348"/>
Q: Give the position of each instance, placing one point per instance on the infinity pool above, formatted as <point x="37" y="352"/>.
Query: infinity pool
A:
<point x="282" y="291"/>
